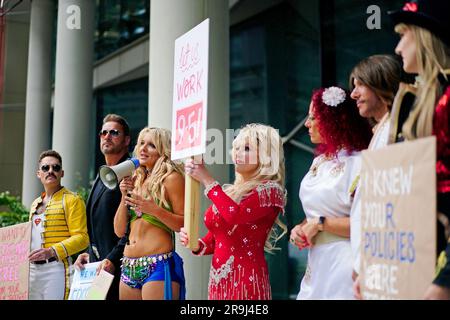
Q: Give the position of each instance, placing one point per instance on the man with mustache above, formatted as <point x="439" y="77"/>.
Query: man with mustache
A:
<point x="58" y="231"/>
<point x="102" y="205"/>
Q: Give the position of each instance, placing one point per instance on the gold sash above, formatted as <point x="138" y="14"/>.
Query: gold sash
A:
<point x="325" y="237"/>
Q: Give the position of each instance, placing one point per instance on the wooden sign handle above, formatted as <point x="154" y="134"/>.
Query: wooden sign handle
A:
<point x="192" y="210"/>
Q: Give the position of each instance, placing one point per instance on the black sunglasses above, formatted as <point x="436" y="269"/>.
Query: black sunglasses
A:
<point x="112" y="132"/>
<point x="46" y="167"/>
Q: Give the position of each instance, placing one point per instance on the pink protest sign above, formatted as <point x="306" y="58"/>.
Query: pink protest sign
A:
<point x="190" y="92"/>
<point x="14" y="265"/>
<point x="189" y="121"/>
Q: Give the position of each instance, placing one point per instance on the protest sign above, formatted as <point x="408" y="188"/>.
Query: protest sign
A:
<point x="14" y="263"/>
<point x="189" y="113"/>
<point x="100" y="286"/>
<point x="398" y="220"/>
<point x="82" y="281"/>
<point x="190" y="92"/>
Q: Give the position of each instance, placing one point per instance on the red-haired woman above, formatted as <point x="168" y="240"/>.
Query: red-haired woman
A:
<point x="340" y="132"/>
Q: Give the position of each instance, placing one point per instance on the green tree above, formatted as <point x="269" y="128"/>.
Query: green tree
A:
<point x="17" y="212"/>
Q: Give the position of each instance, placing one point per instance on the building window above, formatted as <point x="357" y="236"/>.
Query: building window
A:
<point x="120" y="22"/>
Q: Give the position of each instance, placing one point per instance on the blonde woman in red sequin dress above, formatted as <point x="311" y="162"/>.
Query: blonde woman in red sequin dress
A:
<point x="243" y="219"/>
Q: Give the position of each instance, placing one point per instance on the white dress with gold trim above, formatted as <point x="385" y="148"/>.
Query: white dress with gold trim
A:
<point x="324" y="191"/>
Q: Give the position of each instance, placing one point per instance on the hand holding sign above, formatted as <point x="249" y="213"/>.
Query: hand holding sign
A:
<point x="197" y="170"/>
<point x="107" y="266"/>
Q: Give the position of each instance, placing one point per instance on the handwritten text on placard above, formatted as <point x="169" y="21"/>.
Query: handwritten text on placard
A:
<point x="189" y="122"/>
<point x="190" y="92"/>
<point x="398" y="221"/>
<point x="14" y="265"/>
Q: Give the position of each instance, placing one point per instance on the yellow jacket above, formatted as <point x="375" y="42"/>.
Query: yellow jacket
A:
<point x="65" y="228"/>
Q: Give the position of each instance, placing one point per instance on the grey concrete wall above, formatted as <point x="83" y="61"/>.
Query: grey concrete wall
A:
<point x="12" y="110"/>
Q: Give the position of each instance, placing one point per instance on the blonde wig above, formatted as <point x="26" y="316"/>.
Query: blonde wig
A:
<point x="433" y="58"/>
<point x="151" y="183"/>
<point x="270" y="159"/>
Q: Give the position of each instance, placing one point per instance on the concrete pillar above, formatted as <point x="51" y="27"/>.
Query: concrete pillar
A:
<point x="12" y="105"/>
<point x="39" y="91"/>
<point x="169" y="19"/>
<point x="73" y="88"/>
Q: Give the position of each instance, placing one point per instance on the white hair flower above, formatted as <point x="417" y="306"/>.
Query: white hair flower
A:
<point x="333" y="96"/>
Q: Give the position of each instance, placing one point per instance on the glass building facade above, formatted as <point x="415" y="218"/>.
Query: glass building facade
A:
<point x="277" y="57"/>
<point x="120" y="22"/>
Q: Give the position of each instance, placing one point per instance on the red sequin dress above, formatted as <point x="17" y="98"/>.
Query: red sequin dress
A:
<point x="236" y="237"/>
<point x="441" y="129"/>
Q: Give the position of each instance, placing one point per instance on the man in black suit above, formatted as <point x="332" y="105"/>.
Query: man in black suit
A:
<point x="102" y="204"/>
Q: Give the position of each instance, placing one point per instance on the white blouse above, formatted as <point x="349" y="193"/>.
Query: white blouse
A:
<point x="327" y="192"/>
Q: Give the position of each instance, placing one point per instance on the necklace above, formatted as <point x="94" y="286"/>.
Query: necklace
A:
<point x="315" y="167"/>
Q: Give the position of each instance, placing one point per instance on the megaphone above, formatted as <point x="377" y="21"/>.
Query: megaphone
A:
<point x="111" y="176"/>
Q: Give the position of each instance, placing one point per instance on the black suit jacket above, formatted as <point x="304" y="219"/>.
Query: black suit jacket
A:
<point x="100" y="210"/>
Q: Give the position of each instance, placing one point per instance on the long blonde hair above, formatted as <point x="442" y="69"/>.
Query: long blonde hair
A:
<point x="433" y="58"/>
<point x="151" y="184"/>
<point x="270" y="168"/>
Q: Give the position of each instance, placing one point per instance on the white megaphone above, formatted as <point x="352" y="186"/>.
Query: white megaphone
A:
<point x="111" y="176"/>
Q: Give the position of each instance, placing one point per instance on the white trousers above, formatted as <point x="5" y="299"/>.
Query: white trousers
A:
<point x="48" y="281"/>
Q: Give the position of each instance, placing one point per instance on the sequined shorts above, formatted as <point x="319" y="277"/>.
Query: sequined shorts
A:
<point x="138" y="271"/>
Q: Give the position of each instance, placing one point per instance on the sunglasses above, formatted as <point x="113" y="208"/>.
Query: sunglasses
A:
<point x="46" y="167"/>
<point x="112" y="132"/>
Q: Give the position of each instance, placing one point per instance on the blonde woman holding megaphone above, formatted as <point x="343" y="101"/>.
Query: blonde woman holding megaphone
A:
<point x="153" y="205"/>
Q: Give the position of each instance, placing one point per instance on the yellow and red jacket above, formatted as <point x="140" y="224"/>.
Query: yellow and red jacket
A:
<point x="65" y="228"/>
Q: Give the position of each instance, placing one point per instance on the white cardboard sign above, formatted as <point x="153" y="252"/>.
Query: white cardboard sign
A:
<point x="82" y="281"/>
<point x="190" y="92"/>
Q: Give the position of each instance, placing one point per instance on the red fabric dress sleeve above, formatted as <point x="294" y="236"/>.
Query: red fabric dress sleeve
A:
<point x="207" y="245"/>
<point x="441" y="128"/>
<point x="262" y="201"/>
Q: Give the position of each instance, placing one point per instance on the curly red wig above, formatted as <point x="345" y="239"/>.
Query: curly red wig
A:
<point x="340" y="127"/>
